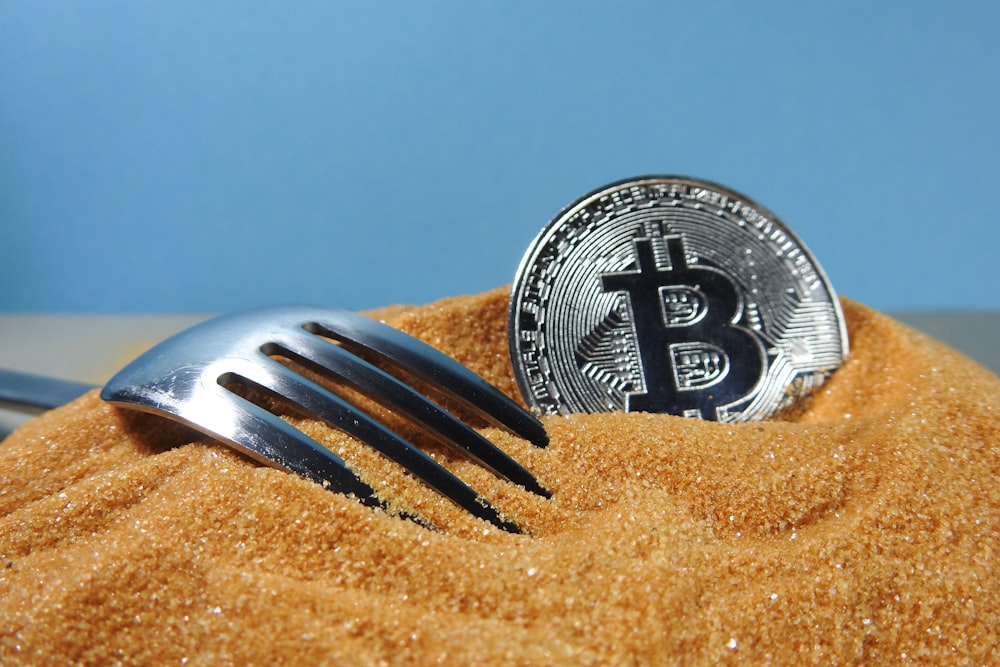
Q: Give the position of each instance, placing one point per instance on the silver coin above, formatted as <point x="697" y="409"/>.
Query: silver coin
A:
<point x="672" y="295"/>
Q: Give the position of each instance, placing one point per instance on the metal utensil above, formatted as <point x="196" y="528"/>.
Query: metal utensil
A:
<point x="27" y="392"/>
<point x="191" y="377"/>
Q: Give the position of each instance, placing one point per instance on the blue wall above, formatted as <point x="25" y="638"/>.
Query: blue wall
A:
<point x="207" y="156"/>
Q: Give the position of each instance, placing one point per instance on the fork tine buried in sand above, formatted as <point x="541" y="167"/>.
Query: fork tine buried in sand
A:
<point x="191" y="376"/>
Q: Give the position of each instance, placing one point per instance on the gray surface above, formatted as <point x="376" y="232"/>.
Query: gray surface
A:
<point x="90" y="348"/>
<point x="976" y="333"/>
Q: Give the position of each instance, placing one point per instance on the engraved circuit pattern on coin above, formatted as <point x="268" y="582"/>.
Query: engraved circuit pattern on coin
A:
<point x="673" y="295"/>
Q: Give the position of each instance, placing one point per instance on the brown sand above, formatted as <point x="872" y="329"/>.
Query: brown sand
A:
<point x="864" y="532"/>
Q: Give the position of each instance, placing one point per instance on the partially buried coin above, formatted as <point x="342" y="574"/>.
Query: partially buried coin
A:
<point x="672" y="295"/>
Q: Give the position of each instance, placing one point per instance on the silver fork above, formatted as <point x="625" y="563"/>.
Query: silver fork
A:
<point x="191" y="377"/>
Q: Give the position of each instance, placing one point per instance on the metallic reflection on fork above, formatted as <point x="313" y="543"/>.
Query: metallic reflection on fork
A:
<point x="191" y="378"/>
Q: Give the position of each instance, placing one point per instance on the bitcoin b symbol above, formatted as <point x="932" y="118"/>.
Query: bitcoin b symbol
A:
<point x="694" y="358"/>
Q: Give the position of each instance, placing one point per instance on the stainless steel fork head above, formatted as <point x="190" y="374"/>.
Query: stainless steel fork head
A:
<point x="188" y="378"/>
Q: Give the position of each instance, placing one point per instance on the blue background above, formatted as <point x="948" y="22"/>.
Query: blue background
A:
<point x="207" y="156"/>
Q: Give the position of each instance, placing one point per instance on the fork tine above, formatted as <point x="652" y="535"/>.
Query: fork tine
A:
<point x="287" y="385"/>
<point x="250" y="429"/>
<point x="294" y="451"/>
<point x="272" y="441"/>
<point x="422" y="360"/>
<point x="327" y="358"/>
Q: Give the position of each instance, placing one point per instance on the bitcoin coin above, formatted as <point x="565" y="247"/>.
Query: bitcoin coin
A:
<point x="672" y="295"/>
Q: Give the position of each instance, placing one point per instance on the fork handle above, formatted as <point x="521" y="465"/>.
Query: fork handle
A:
<point x="28" y="392"/>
